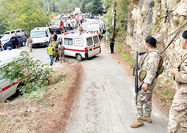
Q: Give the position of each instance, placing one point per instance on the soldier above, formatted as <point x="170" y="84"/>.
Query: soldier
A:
<point x="61" y="49"/>
<point x="147" y="81"/>
<point x="178" y="111"/>
<point x="29" y="42"/>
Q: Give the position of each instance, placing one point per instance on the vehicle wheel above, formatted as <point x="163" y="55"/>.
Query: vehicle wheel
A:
<point x="79" y="57"/>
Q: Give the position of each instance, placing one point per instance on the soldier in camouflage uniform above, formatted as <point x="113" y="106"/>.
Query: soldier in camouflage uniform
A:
<point x="148" y="64"/>
<point x="178" y="111"/>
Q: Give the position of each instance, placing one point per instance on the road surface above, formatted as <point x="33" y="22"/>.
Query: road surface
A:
<point x="104" y="104"/>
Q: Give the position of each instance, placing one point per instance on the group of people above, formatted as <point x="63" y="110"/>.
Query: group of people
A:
<point x="56" y="51"/>
<point x="150" y="64"/>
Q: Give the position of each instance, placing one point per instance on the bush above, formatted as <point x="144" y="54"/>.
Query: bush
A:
<point x="31" y="73"/>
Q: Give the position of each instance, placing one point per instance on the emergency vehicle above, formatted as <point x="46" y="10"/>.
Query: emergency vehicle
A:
<point x="81" y="46"/>
<point x="57" y="26"/>
<point x="7" y="88"/>
<point x="40" y="36"/>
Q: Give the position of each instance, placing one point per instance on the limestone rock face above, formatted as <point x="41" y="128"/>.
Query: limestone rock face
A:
<point x="181" y="9"/>
<point x="158" y="18"/>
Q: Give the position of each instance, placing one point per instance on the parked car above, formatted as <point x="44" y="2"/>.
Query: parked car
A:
<point x="80" y="46"/>
<point x="15" y="31"/>
<point x="7" y="40"/>
<point x="57" y="26"/>
<point x="7" y="88"/>
<point x="40" y="36"/>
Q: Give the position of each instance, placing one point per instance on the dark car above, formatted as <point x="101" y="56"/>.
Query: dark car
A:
<point x="7" y="40"/>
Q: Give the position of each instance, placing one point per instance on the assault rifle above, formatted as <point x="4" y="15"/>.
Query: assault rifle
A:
<point x="135" y="73"/>
<point x="136" y="76"/>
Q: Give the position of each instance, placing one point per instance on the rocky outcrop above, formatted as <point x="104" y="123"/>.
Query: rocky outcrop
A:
<point x="158" y="18"/>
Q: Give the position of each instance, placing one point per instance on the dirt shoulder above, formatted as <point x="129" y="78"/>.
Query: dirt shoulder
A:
<point x="160" y="98"/>
<point x="47" y="113"/>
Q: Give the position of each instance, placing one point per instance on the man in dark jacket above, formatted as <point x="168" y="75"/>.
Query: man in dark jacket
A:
<point x="112" y="40"/>
<point x="55" y="36"/>
<point x="16" y="42"/>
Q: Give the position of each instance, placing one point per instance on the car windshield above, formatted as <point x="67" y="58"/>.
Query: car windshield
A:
<point x="93" y="29"/>
<point x="6" y="38"/>
<point x="38" y="34"/>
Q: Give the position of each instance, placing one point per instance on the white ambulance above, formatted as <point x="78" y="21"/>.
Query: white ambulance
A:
<point x="81" y="46"/>
<point x="7" y="88"/>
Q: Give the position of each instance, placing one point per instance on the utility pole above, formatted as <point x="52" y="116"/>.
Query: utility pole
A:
<point x="114" y="20"/>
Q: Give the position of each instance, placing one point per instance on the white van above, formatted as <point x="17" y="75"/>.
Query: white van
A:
<point x="7" y="89"/>
<point x="80" y="46"/>
<point x="40" y="36"/>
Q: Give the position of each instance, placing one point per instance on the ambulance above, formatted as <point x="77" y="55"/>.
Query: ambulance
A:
<point x="7" y="88"/>
<point x="81" y="46"/>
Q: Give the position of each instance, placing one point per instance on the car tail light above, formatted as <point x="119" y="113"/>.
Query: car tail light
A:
<point x="86" y="50"/>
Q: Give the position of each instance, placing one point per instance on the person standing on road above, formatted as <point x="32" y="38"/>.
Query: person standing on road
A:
<point x="178" y="111"/>
<point x="50" y="51"/>
<point x="30" y="43"/>
<point x="61" y="49"/>
<point x="55" y="36"/>
<point x="112" y="40"/>
<point x="16" y="41"/>
<point x="149" y="66"/>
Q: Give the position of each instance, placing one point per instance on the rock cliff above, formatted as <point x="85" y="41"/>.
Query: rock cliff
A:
<point x="158" y="18"/>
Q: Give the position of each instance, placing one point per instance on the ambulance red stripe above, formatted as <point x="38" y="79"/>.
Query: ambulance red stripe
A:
<point x="14" y="83"/>
<point x="75" y="50"/>
<point x="8" y="86"/>
<point x="97" y="47"/>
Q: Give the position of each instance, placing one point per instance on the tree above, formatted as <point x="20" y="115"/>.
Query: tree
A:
<point x="97" y="7"/>
<point x="89" y="7"/>
<point x="23" y="14"/>
<point x="83" y="5"/>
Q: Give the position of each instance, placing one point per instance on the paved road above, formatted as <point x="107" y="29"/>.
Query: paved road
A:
<point x="105" y="101"/>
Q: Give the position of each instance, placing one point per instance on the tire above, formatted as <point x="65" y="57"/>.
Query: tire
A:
<point x="79" y="57"/>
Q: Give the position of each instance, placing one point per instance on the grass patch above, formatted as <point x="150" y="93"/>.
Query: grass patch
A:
<point x="128" y="58"/>
<point x="119" y="43"/>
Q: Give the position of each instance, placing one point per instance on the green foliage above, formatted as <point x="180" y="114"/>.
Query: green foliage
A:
<point x="60" y="6"/>
<point x="22" y="68"/>
<point x="121" y="15"/>
<point x="97" y="7"/>
<point x="93" y="6"/>
<point x="22" y="14"/>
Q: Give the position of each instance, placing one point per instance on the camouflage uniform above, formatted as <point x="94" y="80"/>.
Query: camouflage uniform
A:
<point x="178" y="111"/>
<point x="61" y="53"/>
<point x="149" y="63"/>
<point x="29" y="41"/>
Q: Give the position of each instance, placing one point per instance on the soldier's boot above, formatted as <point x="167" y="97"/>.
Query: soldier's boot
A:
<point x="147" y="118"/>
<point x="137" y="123"/>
